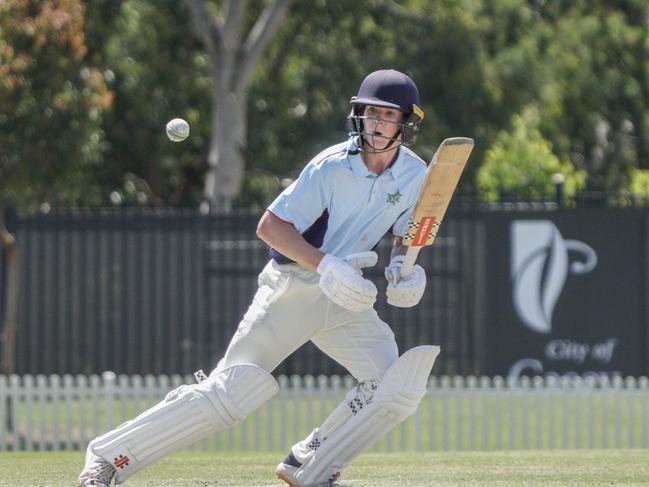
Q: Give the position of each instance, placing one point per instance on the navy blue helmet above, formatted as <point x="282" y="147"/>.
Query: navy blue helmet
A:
<point x="388" y="88"/>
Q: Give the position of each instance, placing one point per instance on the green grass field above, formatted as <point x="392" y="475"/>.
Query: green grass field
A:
<point x="485" y="469"/>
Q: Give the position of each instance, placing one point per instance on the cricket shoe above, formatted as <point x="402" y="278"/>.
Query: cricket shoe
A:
<point x="97" y="472"/>
<point x="287" y="469"/>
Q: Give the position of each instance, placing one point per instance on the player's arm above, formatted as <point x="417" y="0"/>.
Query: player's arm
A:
<point x="297" y="207"/>
<point x="397" y="247"/>
<point x="283" y="237"/>
<point x="397" y="254"/>
<point x="340" y="280"/>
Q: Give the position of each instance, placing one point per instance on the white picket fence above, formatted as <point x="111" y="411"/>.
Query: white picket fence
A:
<point x="64" y="413"/>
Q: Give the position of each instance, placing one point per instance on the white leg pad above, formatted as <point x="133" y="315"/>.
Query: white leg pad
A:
<point x="186" y="415"/>
<point x="355" y="400"/>
<point x="396" y="398"/>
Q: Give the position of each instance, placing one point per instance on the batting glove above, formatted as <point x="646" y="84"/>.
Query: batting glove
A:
<point x="343" y="282"/>
<point x="404" y="292"/>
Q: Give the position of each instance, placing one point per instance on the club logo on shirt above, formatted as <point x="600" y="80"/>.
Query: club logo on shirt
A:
<point x="394" y="197"/>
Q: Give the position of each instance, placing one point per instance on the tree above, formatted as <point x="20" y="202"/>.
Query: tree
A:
<point x="300" y="99"/>
<point x="52" y="105"/>
<point x="592" y="61"/>
<point x="157" y="70"/>
<point x="233" y="61"/>
<point x="521" y="164"/>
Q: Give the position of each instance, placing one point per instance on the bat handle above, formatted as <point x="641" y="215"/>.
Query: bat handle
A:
<point x="409" y="261"/>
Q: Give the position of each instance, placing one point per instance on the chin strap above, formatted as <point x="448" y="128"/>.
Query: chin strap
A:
<point x="374" y="149"/>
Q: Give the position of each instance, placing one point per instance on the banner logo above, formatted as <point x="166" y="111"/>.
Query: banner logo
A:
<point x="539" y="266"/>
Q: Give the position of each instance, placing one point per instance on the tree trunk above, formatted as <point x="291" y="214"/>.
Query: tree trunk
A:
<point x="234" y="58"/>
<point x="226" y="160"/>
<point x="10" y="325"/>
<point x="8" y="335"/>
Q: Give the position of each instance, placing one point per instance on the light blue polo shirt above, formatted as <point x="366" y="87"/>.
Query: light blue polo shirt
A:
<point x="340" y="207"/>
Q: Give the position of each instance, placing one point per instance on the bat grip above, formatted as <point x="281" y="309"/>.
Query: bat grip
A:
<point x="409" y="261"/>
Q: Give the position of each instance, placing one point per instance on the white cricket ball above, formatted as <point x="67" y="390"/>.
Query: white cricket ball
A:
<point x="177" y="130"/>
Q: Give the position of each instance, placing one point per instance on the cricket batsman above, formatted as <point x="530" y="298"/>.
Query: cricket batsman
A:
<point x="321" y="231"/>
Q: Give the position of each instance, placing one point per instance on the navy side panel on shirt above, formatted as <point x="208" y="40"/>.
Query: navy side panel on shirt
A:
<point x="315" y="235"/>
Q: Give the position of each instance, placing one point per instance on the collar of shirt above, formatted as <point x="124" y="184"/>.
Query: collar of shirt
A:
<point x="359" y="168"/>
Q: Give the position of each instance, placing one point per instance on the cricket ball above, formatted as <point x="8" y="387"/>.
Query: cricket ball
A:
<point x="177" y="130"/>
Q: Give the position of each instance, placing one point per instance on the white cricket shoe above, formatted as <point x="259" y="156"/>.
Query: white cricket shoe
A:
<point x="96" y="473"/>
<point x="287" y="469"/>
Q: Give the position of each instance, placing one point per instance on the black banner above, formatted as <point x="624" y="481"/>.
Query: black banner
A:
<point x="566" y="293"/>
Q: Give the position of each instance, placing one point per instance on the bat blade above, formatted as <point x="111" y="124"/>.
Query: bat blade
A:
<point x="440" y="181"/>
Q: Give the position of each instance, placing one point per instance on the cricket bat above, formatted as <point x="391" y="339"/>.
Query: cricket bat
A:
<point x="440" y="181"/>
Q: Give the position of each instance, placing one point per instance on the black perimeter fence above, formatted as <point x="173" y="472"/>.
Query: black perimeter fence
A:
<point x="162" y="291"/>
<point x="151" y="291"/>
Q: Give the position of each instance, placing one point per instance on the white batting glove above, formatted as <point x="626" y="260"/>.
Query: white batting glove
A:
<point x="393" y="270"/>
<point x="343" y="283"/>
<point x="362" y="259"/>
<point x="404" y="292"/>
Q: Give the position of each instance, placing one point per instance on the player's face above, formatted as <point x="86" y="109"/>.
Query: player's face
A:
<point x="381" y="124"/>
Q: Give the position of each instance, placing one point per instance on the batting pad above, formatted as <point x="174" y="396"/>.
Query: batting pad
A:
<point x="397" y="397"/>
<point x="355" y="400"/>
<point x="186" y="415"/>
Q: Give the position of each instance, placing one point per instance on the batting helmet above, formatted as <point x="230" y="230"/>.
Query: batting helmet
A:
<point x="390" y="89"/>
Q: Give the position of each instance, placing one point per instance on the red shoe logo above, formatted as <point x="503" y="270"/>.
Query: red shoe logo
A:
<point x="121" y="461"/>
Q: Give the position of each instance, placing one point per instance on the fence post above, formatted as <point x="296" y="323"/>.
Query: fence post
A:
<point x="283" y="393"/>
<point x="55" y="397"/>
<point x="643" y="386"/>
<point x="109" y="395"/>
<point x="29" y="390"/>
<point x="3" y="413"/>
<point x="558" y="180"/>
<point x="618" y="383"/>
<point x="630" y="391"/>
<point x="81" y="395"/>
<point x="525" y="384"/>
<point x="445" y="391"/>
<point x="69" y="387"/>
<point x="458" y="392"/>
<point x="498" y="385"/>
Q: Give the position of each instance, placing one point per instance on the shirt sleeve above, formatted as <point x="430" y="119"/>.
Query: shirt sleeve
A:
<point x="303" y="202"/>
<point x="399" y="227"/>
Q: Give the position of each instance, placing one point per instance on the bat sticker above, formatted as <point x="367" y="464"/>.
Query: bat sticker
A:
<point x="426" y="225"/>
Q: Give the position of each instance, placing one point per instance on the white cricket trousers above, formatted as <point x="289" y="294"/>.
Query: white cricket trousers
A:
<point x="289" y="309"/>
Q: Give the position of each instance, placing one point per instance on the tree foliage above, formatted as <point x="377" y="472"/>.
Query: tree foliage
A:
<point x="89" y="97"/>
<point x="51" y="108"/>
<point x="158" y="71"/>
<point x="521" y="164"/>
<point x="52" y="103"/>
